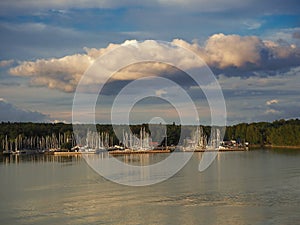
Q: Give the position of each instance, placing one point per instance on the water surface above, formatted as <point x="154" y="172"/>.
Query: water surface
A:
<point x="253" y="187"/>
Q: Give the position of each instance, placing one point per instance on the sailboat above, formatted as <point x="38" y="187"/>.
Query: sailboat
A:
<point x="7" y="151"/>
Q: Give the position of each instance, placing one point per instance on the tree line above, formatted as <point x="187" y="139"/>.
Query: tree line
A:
<point x="278" y="133"/>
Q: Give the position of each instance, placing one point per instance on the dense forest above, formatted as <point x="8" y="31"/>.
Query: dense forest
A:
<point x="277" y="133"/>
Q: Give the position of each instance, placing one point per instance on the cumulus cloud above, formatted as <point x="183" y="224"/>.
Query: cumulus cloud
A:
<point x="221" y="52"/>
<point x="64" y="73"/>
<point x="246" y="52"/>
<point x="61" y="73"/>
<point x="233" y="50"/>
<point x="9" y="112"/>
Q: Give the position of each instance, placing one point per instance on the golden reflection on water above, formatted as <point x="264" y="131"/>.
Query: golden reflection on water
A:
<point x="34" y="158"/>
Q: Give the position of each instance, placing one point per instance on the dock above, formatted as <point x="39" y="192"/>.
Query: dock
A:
<point x="222" y="150"/>
<point x="66" y="153"/>
<point x="125" y="152"/>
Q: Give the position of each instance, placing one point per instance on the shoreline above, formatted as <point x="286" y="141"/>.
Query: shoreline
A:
<point x="127" y="152"/>
<point x="66" y="153"/>
<point x="282" y="146"/>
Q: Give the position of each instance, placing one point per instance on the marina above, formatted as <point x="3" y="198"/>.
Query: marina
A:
<point x="149" y="112"/>
<point x="97" y="142"/>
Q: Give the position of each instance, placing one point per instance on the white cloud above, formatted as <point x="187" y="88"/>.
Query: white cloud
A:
<point x="220" y="51"/>
<point x="60" y="121"/>
<point x="64" y="73"/>
<point x="271" y="102"/>
<point x="233" y="50"/>
<point x="252" y="24"/>
<point x="56" y="73"/>
<point x="160" y="93"/>
<point x="5" y="63"/>
<point x="272" y="111"/>
<point x="224" y="51"/>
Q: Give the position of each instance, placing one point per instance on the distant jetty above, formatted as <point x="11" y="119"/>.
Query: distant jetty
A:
<point x="128" y="151"/>
<point x="60" y="153"/>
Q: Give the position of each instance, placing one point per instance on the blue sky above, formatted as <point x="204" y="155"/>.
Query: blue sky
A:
<point x="253" y="48"/>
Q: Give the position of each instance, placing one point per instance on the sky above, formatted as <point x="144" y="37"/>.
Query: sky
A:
<point x="252" y="48"/>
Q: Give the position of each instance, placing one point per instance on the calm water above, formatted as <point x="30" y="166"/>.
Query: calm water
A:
<point x="254" y="187"/>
